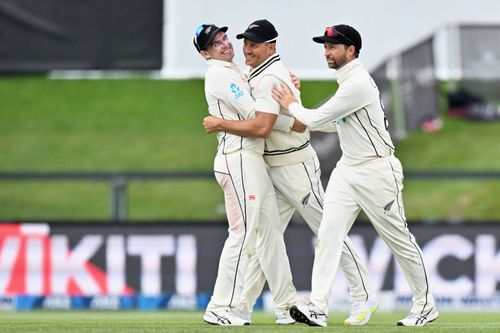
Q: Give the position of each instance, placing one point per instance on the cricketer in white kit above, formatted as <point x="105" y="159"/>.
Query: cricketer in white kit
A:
<point x="252" y="212"/>
<point x="368" y="177"/>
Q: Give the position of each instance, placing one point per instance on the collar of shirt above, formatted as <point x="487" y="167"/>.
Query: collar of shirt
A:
<point x="215" y="62"/>
<point x="345" y="71"/>
<point x="264" y="63"/>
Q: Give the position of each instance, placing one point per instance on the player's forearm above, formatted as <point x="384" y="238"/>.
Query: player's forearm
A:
<point x="304" y="115"/>
<point x="327" y="128"/>
<point x="334" y="109"/>
<point x="248" y="128"/>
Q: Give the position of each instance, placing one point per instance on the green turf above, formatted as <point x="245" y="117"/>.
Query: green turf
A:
<point x="145" y="125"/>
<point x="460" y="145"/>
<point x="148" y="200"/>
<point x="163" y="321"/>
<point x="103" y="125"/>
<point x="457" y="200"/>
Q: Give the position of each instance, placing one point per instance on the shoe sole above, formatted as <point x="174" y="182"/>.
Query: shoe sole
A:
<point x="429" y="321"/>
<point x="300" y="317"/>
<point x="218" y="323"/>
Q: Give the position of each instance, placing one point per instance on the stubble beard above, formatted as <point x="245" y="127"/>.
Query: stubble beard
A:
<point x="335" y="64"/>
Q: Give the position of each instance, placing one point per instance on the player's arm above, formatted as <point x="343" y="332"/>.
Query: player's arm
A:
<point x="258" y="127"/>
<point x="232" y="90"/>
<point x="266" y="113"/>
<point x="339" y="106"/>
<point x="286" y="123"/>
<point x="326" y="128"/>
<point x="293" y="124"/>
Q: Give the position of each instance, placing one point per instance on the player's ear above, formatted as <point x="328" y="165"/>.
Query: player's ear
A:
<point x="273" y="47"/>
<point x="350" y="50"/>
<point x="205" y="54"/>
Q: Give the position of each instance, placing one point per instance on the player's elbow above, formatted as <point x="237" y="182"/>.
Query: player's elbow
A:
<point x="265" y="132"/>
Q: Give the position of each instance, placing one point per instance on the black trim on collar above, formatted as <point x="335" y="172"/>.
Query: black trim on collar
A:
<point x="263" y="66"/>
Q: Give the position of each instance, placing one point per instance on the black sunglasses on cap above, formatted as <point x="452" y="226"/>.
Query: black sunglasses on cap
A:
<point x="332" y="32"/>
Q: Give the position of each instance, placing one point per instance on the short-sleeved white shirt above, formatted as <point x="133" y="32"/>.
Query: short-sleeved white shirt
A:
<point x="282" y="148"/>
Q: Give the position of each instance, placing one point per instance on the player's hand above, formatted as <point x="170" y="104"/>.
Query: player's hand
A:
<point x="211" y="124"/>
<point x="298" y="126"/>
<point x="283" y="95"/>
<point x="295" y="80"/>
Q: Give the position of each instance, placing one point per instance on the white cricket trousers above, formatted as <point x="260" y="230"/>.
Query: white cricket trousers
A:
<point x="298" y="188"/>
<point x="254" y="230"/>
<point x="376" y="188"/>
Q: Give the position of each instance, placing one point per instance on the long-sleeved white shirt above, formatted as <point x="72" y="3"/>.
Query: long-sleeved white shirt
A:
<point x="358" y="112"/>
<point x="228" y="97"/>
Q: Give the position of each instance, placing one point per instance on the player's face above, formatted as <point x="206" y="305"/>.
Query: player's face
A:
<point x="221" y="48"/>
<point x="336" y="55"/>
<point x="256" y="53"/>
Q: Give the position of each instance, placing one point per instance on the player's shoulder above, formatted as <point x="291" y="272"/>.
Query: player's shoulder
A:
<point x="268" y="80"/>
<point x="222" y="75"/>
<point x="218" y="71"/>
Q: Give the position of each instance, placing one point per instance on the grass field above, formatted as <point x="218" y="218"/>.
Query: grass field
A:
<point x="151" y="125"/>
<point x="89" y="322"/>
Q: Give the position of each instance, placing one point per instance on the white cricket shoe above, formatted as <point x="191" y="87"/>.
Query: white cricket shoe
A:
<point x="419" y="319"/>
<point x="361" y="312"/>
<point x="284" y="319"/>
<point x="224" y="317"/>
<point x="308" y="314"/>
<point x="243" y="314"/>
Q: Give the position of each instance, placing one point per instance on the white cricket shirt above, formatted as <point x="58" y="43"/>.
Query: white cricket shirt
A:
<point x="358" y="112"/>
<point x="282" y="148"/>
<point x="228" y="97"/>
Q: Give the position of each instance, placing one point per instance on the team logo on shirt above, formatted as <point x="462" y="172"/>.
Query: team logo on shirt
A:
<point x="236" y="91"/>
<point x="388" y="206"/>
<point x="252" y="197"/>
